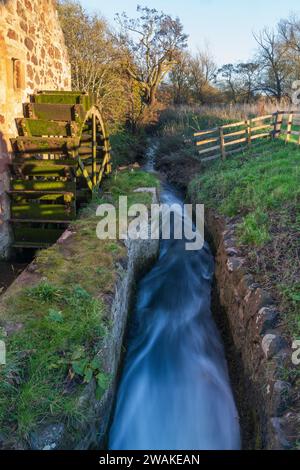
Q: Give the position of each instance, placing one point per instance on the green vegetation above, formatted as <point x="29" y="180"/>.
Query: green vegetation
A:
<point x="260" y="188"/>
<point x="127" y="148"/>
<point x="176" y="154"/>
<point x="54" y="329"/>
<point x="177" y="125"/>
<point x="257" y="188"/>
<point x="187" y="120"/>
<point x="40" y="373"/>
<point x="126" y="182"/>
<point x="253" y="184"/>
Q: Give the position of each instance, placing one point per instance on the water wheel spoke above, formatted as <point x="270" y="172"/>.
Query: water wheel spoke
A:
<point x="85" y="174"/>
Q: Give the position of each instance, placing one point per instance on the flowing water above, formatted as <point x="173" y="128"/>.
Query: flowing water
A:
<point x="174" y="392"/>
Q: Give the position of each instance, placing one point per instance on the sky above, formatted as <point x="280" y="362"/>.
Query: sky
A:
<point x="225" y="26"/>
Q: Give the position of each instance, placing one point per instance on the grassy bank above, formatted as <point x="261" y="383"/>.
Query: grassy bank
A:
<point x="260" y="188"/>
<point x="54" y="328"/>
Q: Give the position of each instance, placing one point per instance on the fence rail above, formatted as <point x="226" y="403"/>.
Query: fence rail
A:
<point x="226" y="140"/>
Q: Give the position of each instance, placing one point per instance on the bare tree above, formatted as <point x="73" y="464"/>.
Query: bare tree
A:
<point x="275" y="67"/>
<point x="179" y="80"/>
<point x="88" y="44"/>
<point x="154" y="42"/>
<point x="203" y="71"/>
<point x="289" y="31"/>
<point x="191" y="80"/>
<point x="289" y="35"/>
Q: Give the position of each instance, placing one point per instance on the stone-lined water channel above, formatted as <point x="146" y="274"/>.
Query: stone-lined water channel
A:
<point x="174" y="391"/>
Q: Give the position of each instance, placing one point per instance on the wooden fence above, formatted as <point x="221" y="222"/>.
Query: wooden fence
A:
<point x="226" y="140"/>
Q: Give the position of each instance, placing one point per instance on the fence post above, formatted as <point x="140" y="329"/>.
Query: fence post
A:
<point x="289" y="127"/>
<point x="222" y="143"/>
<point x="248" y="130"/>
<point x="278" y="124"/>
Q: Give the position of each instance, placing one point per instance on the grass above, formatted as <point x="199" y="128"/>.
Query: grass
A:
<point x="57" y="326"/>
<point x="260" y="188"/>
<point x="253" y="185"/>
<point x="176" y="128"/>
<point x="181" y="123"/>
<point x="177" y="155"/>
<point x="127" y="181"/>
<point x="38" y="378"/>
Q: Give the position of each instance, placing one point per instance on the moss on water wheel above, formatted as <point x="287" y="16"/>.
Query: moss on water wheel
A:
<point x="60" y="157"/>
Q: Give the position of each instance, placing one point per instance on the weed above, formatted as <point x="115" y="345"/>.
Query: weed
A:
<point x="44" y="292"/>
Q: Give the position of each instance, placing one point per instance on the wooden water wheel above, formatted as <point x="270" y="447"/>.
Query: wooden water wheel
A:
<point x="60" y="157"/>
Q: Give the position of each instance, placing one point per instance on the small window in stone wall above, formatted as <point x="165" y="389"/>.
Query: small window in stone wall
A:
<point x="17" y="74"/>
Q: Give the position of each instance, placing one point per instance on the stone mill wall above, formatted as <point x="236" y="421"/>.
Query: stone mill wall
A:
<point x="33" y="57"/>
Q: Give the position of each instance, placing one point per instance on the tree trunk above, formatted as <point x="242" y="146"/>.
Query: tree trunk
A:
<point x="152" y="100"/>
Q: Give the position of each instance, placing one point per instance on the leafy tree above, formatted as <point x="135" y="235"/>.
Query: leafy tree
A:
<point x="247" y="73"/>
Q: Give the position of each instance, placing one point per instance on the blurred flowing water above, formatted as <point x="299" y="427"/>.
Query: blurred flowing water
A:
<point x="174" y="392"/>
